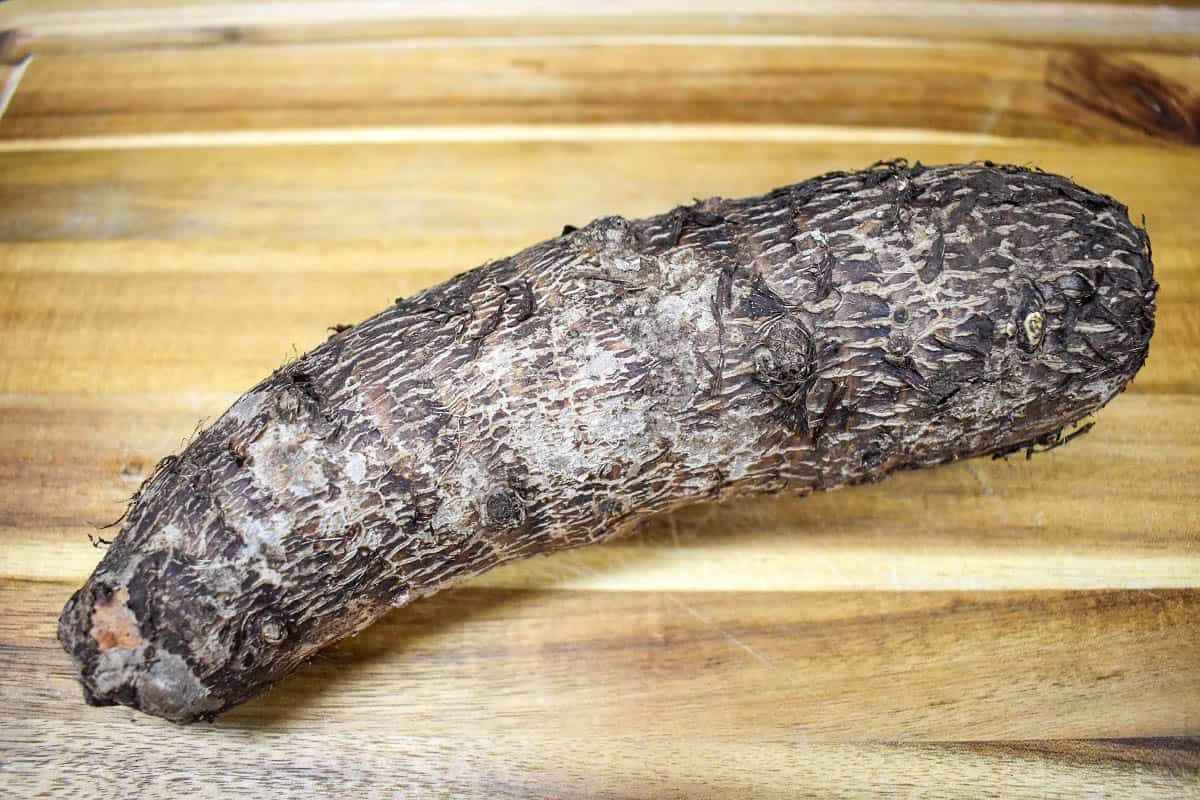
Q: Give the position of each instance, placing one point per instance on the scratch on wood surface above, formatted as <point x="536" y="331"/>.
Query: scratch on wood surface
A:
<point x="980" y="478"/>
<point x="673" y="525"/>
<point x="999" y="107"/>
<point x="757" y="656"/>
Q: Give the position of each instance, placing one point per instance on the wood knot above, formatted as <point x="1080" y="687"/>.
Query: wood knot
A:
<point x="1128" y="93"/>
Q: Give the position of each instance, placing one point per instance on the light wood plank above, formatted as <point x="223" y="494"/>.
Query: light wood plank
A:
<point x="485" y="182"/>
<point x="920" y="84"/>
<point x="117" y="24"/>
<point x="193" y="192"/>
<point x="878" y="666"/>
<point x="49" y="759"/>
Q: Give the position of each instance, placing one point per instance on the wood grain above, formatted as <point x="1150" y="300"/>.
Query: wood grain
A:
<point x="58" y="25"/>
<point x="383" y="764"/>
<point x="995" y="89"/>
<point x="831" y="666"/>
<point x="619" y="694"/>
<point x="192" y="193"/>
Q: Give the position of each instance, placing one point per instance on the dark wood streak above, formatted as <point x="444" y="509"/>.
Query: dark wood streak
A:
<point x="1129" y="93"/>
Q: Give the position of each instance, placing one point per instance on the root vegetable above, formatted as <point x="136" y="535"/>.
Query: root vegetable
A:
<point x="827" y="333"/>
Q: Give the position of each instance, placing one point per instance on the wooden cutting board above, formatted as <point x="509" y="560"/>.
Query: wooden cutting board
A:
<point x="191" y="194"/>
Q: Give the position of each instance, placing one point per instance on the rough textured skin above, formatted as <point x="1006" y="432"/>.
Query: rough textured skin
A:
<point x="828" y="333"/>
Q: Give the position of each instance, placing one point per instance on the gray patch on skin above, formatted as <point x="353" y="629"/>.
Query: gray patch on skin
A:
<point x="287" y="457"/>
<point x="169" y="689"/>
<point x="164" y="683"/>
<point x="246" y="408"/>
<point x="114" y="668"/>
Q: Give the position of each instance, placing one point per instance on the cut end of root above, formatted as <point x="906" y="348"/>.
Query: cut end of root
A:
<point x="118" y="664"/>
<point x="113" y="624"/>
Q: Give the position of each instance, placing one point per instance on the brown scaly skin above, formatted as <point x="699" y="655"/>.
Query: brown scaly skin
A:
<point x="828" y="333"/>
